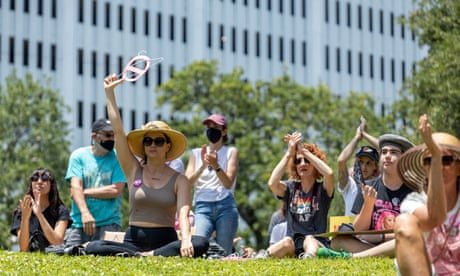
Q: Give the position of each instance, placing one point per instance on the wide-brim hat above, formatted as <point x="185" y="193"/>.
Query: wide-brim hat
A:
<point x="177" y="139"/>
<point x="410" y="164"/>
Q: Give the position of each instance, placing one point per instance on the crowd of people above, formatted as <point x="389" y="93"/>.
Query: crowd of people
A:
<point x="404" y="196"/>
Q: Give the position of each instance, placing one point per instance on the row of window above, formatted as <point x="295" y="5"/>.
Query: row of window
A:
<point x="359" y="18"/>
<point x="292" y="7"/>
<point x="120" y="62"/>
<point x="26" y="7"/>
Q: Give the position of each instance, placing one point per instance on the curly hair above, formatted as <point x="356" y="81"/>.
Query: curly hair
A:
<point x="315" y="150"/>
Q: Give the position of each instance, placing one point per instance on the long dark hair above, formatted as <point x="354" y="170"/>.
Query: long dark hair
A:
<point x="53" y="196"/>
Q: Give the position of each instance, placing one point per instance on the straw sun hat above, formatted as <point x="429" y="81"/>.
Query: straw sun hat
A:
<point x="177" y="139"/>
<point x="410" y="165"/>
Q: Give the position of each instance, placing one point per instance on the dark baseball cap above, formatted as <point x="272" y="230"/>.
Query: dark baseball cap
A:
<point x="101" y="124"/>
<point x="368" y="151"/>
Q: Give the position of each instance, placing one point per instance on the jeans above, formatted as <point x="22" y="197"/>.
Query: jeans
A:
<point x="76" y="236"/>
<point x="220" y="216"/>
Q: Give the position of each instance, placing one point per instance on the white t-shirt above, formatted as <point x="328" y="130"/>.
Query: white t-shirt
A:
<point x="278" y="232"/>
<point x="349" y="195"/>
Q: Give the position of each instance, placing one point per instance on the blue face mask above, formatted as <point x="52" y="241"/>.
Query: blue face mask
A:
<point x="213" y="135"/>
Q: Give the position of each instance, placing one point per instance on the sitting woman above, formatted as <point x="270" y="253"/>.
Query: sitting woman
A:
<point x="41" y="218"/>
<point x="156" y="191"/>
<point x="307" y="198"/>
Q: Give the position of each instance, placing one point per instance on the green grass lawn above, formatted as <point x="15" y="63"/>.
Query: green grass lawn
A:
<point x="15" y="263"/>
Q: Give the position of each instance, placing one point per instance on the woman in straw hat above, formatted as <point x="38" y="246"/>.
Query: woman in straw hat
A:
<point x="427" y="232"/>
<point x="156" y="191"/>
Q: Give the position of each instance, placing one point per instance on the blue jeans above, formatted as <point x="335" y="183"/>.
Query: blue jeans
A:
<point x="220" y="216"/>
<point x="76" y="236"/>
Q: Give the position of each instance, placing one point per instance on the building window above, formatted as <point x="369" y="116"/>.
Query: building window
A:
<point x="25" y="52"/>
<point x="269" y="5"/>
<point x="146" y="78"/>
<point x="11" y="47"/>
<point x="382" y="68"/>
<point x="326" y="62"/>
<point x="209" y="35"/>
<point x="80" y="114"/>
<point x="159" y="25"/>
<point x="171" y="27"/>
<point x="360" y="64"/>
<point x="370" y="20"/>
<point x="403" y="71"/>
<point x="292" y="51"/>
<point x="53" y="8"/>
<point x="348" y="15"/>
<point x="360" y="18"/>
<point x="159" y="74"/>
<point x="349" y="62"/>
<point x="81" y="7"/>
<point x="281" y="47"/>
<point x="39" y="55"/>
<point x="146" y="117"/>
<point x="281" y="4"/>
<point x="337" y="61"/>
<point x="133" y="119"/>
<point x="0" y="38"/>
<point x="120" y="17"/>
<point x="257" y="4"/>
<point x="40" y="7"/>
<point x="93" y="112"/>
<point x="233" y="39"/>
<point x="257" y="50"/>
<point x="221" y="37"/>
<point x="12" y="5"/>
<point x="107" y="15"/>
<point x="292" y="7"/>
<point x="392" y="24"/>
<point x="371" y="66"/>
<point x="269" y="47"/>
<point x="53" y="57"/>
<point x="94" y="13"/>
<point x="245" y="42"/>
<point x="133" y="20"/>
<point x="184" y="30"/>
<point x="94" y="64"/>
<point x="326" y="11"/>
<point x="393" y="77"/>
<point x="337" y="12"/>
<point x="120" y="64"/>
<point x="80" y="61"/>
<point x="107" y="64"/>
<point x="304" y="8"/>
<point x="26" y="6"/>
<point x="403" y="31"/>
<point x="304" y="53"/>
<point x="381" y="21"/>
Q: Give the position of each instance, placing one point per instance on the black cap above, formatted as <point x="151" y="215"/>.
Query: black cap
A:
<point x="102" y="124"/>
<point x="369" y="152"/>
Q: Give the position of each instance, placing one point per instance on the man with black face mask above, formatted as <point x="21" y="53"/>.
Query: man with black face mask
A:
<point x="96" y="185"/>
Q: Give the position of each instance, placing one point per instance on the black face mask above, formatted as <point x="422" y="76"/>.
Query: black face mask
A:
<point x="213" y="134"/>
<point x="107" y="144"/>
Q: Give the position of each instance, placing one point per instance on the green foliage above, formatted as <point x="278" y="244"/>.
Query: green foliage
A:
<point x="259" y="116"/>
<point x="434" y="88"/>
<point x="32" y="134"/>
<point x="40" y="264"/>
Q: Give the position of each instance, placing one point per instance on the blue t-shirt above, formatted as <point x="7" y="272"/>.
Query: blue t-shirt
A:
<point x="96" y="171"/>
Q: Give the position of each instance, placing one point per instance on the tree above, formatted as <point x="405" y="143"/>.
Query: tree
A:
<point x="32" y="134"/>
<point x="434" y="88"/>
<point x="259" y="115"/>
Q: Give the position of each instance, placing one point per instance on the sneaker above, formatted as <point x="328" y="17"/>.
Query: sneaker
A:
<point x="262" y="254"/>
<point x="324" y="252"/>
<point x="304" y="255"/>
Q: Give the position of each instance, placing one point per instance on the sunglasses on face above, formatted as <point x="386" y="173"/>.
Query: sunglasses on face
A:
<point x="44" y="177"/>
<point x="158" y="141"/>
<point x="447" y="160"/>
<point x="297" y="161"/>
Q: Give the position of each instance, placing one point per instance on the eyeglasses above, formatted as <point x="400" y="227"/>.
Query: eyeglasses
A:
<point x="447" y="160"/>
<point x="297" y="161"/>
<point x="106" y="135"/>
<point x="158" y="141"/>
<point x="44" y="177"/>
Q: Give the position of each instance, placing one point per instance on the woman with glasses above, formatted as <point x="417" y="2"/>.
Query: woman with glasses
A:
<point x="41" y="218"/>
<point x="156" y="191"/>
<point x="427" y="231"/>
<point x="213" y="170"/>
<point x="308" y="194"/>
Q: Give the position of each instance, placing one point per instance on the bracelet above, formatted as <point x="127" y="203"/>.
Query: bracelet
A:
<point x="383" y="236"/>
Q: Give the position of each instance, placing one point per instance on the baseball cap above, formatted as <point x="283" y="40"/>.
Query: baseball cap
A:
<point x="368" y="151"/>
<point x="216" y="118"/>
<point x="101" y="124"/>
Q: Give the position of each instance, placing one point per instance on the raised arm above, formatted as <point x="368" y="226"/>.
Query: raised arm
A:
<point x="323" y="169"/>
<point x="346" y="153"/>
<point x="128" y="161"/>
<point x="371" y="139"/>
